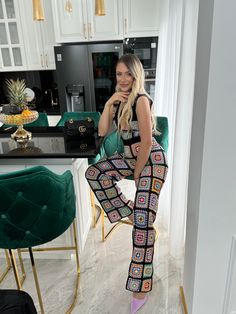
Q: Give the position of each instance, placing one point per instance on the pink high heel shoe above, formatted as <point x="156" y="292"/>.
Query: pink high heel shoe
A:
<point x="136" y="304"/>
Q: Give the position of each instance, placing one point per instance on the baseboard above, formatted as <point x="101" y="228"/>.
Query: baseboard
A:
<point x="183" y="301"/>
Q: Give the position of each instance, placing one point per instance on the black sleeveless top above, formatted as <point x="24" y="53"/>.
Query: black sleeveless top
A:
<point x="133" y="134"/>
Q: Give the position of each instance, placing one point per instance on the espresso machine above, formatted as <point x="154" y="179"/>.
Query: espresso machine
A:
<point x="75" y="98"/>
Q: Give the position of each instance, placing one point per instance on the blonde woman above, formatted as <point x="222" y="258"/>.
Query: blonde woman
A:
<point x="130" y="110"/>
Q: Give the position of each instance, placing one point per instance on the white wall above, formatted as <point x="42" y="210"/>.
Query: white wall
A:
<point x="211" y="217"/>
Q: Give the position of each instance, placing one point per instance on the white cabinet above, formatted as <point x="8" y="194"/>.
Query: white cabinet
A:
<point x="141" y="18"/>
<point x="39" y="38"/>
<point x="124" y="18"/>
<point x="109" y="26"/>
<point x="12" y="54"/>
<point x="83" y="25"/>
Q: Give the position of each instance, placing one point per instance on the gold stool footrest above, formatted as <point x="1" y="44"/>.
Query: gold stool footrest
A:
<point x="96" y="209"/>
<point x="8" y="267"/>
<point x="114" y="227"/>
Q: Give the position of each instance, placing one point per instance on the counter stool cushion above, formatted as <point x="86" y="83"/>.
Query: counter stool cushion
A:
<point x="162" y="126"/>
<point x="36" y="206"/>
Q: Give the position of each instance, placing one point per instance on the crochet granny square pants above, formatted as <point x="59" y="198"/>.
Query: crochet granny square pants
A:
<point x="102" y="178"/>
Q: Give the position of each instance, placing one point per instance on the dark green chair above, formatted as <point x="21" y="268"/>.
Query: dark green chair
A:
<point x="163" y="128"/>
<point x="36" y="207"/>
<point x="113" y="143"/>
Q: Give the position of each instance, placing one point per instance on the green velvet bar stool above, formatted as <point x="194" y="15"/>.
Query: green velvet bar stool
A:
<point x="95" y="115"/>
<point x="36" y="207"/>
<point x="113" y="143"/>
<point x="41" y="121"/>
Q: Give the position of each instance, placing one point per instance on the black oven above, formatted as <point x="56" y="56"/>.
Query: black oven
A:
<point x="145" y="48"/>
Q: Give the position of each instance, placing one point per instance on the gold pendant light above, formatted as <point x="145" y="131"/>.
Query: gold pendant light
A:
<point x="99" y="7"/>
<point x="38" y="12"/>
<point x="68" y="6"/>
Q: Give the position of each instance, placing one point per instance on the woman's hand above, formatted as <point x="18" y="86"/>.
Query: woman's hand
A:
<point x="105" y="120"/>
<point x="118" y="97"/>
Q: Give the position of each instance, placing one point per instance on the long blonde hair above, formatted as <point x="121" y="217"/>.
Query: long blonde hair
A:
<point x="135" y="68"/>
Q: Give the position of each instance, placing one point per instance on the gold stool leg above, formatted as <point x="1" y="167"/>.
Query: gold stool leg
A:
<point x="21" y="266"/>
<point x="183" y="300"/>
<point x="36" y="280"/>
<point x="103" y="225"/>
<point x="156" y="236"/>
<point x="8" y="267"/>
<point x="76" y="245"/>
<point x="113" y="228"/>
<point x="78" y="269"/>
<point x="125" y="222"/>
<point x="15" y="270"/>
<point x="93" y="207"/>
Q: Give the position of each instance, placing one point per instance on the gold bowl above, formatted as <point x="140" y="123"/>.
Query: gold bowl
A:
<point x="21" y="136"/>
<point x="19" y="119"/>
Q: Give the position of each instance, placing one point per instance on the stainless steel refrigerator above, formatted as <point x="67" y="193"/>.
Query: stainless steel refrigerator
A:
<point x="86" y="75"/>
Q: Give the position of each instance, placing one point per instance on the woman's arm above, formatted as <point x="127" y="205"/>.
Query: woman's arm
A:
<point x="145" y="127"/>
<point x="105" y="121"/>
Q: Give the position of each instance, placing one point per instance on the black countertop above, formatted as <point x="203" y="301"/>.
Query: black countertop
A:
<point x="48" y="142"/>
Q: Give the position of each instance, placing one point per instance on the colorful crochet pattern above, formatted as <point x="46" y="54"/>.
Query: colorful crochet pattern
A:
<point x="102" y="178"/>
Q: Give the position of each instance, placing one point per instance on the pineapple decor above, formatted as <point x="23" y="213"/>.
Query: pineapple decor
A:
<point x="17" y="111"/>
<point x="16" y="95"/>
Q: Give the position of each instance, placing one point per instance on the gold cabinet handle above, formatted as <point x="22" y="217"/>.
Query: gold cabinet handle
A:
<point x="42" y="64"/>
<point x="46" y="61"/>
<point x="90" y="30"/>
<point x="125" y="26"/>
<point x="85" y="31"/>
